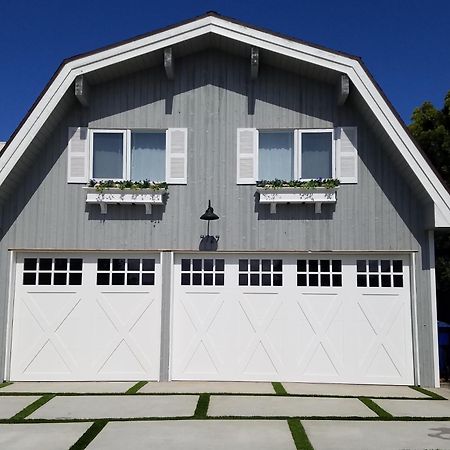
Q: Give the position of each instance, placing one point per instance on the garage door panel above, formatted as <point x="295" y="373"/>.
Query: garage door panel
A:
<point x="91" y="328"/>
<point x="344" y="319"/>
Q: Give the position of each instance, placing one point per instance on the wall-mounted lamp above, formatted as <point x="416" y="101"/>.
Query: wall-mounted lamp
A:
<point x="209" y="215"/>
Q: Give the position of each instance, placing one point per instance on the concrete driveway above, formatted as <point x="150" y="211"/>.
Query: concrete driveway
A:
<point x="212" y="415"/>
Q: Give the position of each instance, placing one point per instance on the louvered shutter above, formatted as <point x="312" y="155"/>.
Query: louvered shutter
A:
<point x="176" y="156"/>
<point x="347" y="154"/>
<point x="78" y="155"/>
<point x="247" y="155"/>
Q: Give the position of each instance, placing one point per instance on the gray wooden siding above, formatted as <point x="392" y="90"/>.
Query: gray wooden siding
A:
<point x="212" y="96"/>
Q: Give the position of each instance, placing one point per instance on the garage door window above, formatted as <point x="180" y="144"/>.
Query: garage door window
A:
<point x="202" y="272"/>
<point x="319" y="272"/>
<point x="52" y="271"/>
<point x="379" y="273"/>
<point x="260" y="272"/>
<point x="125" y="271"/>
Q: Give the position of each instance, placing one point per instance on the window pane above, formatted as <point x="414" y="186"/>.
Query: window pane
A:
<point x="316" y="155"/>
<point x="108" y="155"/>
<point x="148" y="156"/>
<point x="276" y="155"/>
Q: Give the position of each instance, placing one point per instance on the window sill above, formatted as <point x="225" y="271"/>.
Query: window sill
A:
<point x="116" y="196"/>
<point x="285" y="195"/>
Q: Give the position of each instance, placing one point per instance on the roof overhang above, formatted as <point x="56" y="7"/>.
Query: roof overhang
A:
<point x="212" y="23"/>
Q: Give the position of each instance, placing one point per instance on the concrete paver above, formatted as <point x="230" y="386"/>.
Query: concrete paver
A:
<point x="10" y="406"/>
<point x="208" y="386"/>
<point x="284" y="406"/>
<point x="355" y="390"/>
<point x="195" y="435"/>
<point x="81" y="387"/>
<point x="369" y="435"/>
<point x="40" y="436"/>
<point x="123" y="406"/>
<point x="416" y="408"/>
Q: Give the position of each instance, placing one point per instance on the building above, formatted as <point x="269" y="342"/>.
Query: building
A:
<point x="317" y="283"/>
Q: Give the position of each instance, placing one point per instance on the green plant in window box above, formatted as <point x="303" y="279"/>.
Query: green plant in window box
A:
<point x="327" y="183"/>
<point x="127" y="184"/>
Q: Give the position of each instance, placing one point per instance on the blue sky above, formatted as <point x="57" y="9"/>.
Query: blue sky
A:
<point x="405" y="44"/>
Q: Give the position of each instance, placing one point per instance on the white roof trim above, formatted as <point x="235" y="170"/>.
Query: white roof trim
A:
<point x="261" y="39"/>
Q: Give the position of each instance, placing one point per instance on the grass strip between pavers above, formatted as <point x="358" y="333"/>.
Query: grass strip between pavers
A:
<point x="30" y="409"/>
<point x="377" y="409"/>
<point x="89" y="435"/>
<point x="299" y="435"/>
<point x="133" y="389"/>
<point x="431" y="394"/>
<point x="279" y="388"/>
<point x="202" y="406"/>
<point x="6" y="383"/>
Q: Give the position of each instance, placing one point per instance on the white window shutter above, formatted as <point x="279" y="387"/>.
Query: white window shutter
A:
<point x="247" y="155"/>
<point x="78" y="155"/>
<point x="176" y="156"/>
<point x="346" y="154"/>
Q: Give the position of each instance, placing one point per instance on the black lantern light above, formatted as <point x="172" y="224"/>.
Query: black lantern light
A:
<point x="209" y="215"/>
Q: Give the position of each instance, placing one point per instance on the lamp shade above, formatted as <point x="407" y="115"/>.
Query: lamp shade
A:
<point x="209" y="213"/>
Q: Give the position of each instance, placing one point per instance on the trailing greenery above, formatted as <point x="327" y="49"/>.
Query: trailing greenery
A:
<point x="299" y="435"/>
<point x="328" y="183"/>
<point x="377" y="409"/>
<point x="90" y="434"/>
<point x="127" y="184"/>
<point x="279" y="388"/>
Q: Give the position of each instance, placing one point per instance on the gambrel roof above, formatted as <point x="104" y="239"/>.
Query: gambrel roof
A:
<point x="114" y="60"/>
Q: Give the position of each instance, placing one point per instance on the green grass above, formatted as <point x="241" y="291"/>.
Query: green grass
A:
<point x="433" y="395"/>
<point x="202" y="406"/>
<point x="279" y="388"/>
<point x="136" y="387"/>
<point x="299" y="435"/>
<point x="375" y="408"/>
<point x="89" y="435"/>
<point x="30" y="409"/>
<point x="6" y="383"/>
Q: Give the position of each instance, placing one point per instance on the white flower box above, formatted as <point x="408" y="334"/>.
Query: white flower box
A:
<point x="108" y="196"/>
<point x="284" y="195"/>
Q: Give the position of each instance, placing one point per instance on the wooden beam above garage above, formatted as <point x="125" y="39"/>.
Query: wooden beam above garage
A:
<point x="169" y="63"/>
<point x="254" y="63"/>
<point x="82" y="90"/>
<point x="343" y="89"/>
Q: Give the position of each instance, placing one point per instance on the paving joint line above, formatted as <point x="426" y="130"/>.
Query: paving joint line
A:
<point x="31" y="408"/>
<point x="249" y="394"/>
<point x="89" y="435"/>
<point x="229" y="418"/>
<point x="377" y="409"/>
<point x="299" y="435"/>
<point x="136" y="387"/>
<point x="431" y="394"/>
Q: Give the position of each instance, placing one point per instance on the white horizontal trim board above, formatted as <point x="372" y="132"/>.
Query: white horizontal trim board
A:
<point x="252" y="37"/>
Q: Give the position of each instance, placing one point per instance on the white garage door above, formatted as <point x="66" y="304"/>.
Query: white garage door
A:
<point x="86" y="317"/>
<point x="315" y="318"/>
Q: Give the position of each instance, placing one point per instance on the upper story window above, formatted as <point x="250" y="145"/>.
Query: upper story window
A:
<point x="122" y="154"/>
<point x="130" y="155"/>
<point x="295" y="154"/>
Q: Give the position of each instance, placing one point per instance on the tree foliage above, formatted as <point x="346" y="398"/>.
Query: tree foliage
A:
<point x="431" y="129"/>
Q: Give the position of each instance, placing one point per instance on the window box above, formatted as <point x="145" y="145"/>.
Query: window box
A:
<point x="116" y="196"/>
<point x="284" y="195"/>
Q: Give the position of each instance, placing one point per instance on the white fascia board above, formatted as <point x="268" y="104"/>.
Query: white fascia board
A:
<point x="253" y="37"/>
